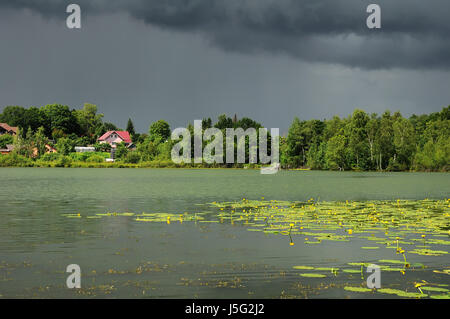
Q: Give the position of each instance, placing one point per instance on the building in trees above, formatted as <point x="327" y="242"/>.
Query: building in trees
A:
<point x="7" y="149"/>
<point x="114" y="138"/>
<point x="6" y="129"/>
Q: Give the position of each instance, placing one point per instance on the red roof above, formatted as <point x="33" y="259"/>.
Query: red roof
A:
<point x="9" y="128"/>
<point x="124" y="135"/>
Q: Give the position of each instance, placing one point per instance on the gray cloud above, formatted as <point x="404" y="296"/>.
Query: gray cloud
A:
<point x="131" y="69"/>
<point x="415" y="34"/>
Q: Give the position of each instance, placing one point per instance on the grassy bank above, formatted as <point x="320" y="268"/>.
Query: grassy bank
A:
<point x="97" y="160"/>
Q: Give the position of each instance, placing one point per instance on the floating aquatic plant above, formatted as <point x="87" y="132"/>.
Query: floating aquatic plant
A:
<point x="312" y="275"/>
<point x="428" y="252"/>
<point x="417" y="227"/>
<point x="303" y="267"/>
<point x="357" y="289"/>
<point x="438" y="289"/>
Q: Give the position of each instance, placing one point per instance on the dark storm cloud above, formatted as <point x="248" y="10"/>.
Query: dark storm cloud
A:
<point x="415" y="33"/>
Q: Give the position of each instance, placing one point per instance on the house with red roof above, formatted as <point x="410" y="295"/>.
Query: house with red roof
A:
<point x="6" y="129"/>
<point x="116" y="137"/>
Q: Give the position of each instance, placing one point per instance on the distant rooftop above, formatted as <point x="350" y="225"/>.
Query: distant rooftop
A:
<point x="8" y="128"/>
<point x="124" y="135"/>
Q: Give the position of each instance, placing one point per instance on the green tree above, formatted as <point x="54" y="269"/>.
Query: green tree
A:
<point x="372" y="128"/>
<point x="130" y="128"/>
<point x="336" y="153"/>
<point x="59" y="117"/>
<point x="23" y="144"/>
<point x="89" y="121"/>
<point x="159" y="131"/>
<point x="65" y="145"/>
<point x="102" y="147"/>
<point x="206" y="123"/>
<point x="6" y="139"/>
<point x="224" y="122"/>
<point x="284" y="152"/>
<point x="121" y="151"/>
<point x="358" y="138"/>
<point x="384" y="141"/>
<point x="316" y="156"/>
<point x="404" y="142"/>
<point x="14" y="116"/>
<point x="164" y="151"/>
<point x="148" y="150"/>
<point x="33" y="118"/>
<point x="433" y="156"/>
<point x="333" y="127"/>
<point x="296" y="144"/>
<point x="301" y="137"/>
<point x="246" y="123"/>
<point x="132" y="157"/>
<point x="40" y="141"/>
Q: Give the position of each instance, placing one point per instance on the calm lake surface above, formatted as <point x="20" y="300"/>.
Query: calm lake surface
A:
<point x="122" y="257"/>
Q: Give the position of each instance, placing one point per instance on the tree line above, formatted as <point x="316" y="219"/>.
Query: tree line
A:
<point x="360" y="141"/>
<point x="370" y="142"/>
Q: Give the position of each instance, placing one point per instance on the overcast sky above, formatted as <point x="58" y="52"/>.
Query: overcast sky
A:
<point x="270" y="60"/>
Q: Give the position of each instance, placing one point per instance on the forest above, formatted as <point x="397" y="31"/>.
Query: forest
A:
<point x="360" y="141"/>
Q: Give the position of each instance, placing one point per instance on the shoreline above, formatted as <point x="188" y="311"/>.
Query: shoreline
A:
<point x="150" y="165"/>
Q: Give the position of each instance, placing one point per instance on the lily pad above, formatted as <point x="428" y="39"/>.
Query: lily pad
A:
<point x="434" y="289"/>
<point x="357" y="289"/>
<point x="313" y="275"/>
<point x="303" y="267"/>
<point x="402" y="293"/>
<point x="428" y="252"/>
<point x="440" y="296"/>
<point x="391" y="261"/>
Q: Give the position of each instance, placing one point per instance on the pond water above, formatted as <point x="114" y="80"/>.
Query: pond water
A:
<point x="222" y="233"/>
